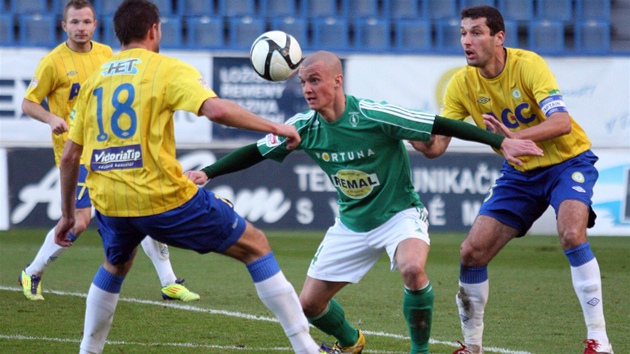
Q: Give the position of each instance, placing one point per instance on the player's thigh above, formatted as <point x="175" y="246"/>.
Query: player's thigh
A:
<point x="572" y="193"/>
<point x="514" y="201"/>
<point x="573" y="217"/>
<point x="250" y="246"/>
<point x="120" y="238"/>
<point x="206" y="223"/>
<point x="485" y="239"/>
<point x="343" y="256"/>
<point x="405" y="238"/>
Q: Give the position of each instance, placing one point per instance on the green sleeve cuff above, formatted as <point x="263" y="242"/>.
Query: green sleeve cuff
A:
<point x="237" y="160"/>
<point x="465" y="131"/>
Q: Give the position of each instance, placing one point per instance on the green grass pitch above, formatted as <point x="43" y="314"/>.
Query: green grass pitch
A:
<point x="532" y="306"/>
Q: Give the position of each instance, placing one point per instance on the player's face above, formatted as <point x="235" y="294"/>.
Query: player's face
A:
<point x="318" y="85"/>
<point x="478" y="44"/>
<point x="79" y="25"/>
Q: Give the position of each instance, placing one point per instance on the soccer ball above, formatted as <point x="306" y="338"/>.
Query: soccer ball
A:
<point x="275" y="55"/>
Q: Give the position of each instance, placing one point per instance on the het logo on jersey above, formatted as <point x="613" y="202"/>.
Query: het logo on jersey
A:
<point x="121" y="67"/>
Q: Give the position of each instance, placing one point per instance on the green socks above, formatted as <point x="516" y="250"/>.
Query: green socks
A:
<point x="418" y="310"/>
<point x="333" y="322"/>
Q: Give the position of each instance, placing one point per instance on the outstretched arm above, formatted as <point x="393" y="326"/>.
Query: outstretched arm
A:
<point x="237" y="160"/>
<point x="229" y="113"/>
<point x="556" y="125"/>
<point x="434" y="147"/>
<point x="511" y="148"/>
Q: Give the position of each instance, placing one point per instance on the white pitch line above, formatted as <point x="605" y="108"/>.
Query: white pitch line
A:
<point x="225" y="313"/>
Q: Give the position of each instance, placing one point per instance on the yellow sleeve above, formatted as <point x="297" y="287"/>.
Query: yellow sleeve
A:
<point x="188" y="89"/>
<point x="453" y="107"/>
<point x="43" y="81"/>
<point x="540" y="79"/>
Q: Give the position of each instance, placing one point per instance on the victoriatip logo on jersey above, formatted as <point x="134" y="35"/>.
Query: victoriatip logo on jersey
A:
<point x="117" y="158"/>
<point x="355" y="184"/>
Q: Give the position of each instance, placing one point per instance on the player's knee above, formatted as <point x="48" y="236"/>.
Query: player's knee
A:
<point x="473" y="256"/>
<point x="260" y="241"/>
<point x="79" y="227"/>
<point x="572" y="237"/>
<point x="312" y="309"/>
<point x="412" y="271"/>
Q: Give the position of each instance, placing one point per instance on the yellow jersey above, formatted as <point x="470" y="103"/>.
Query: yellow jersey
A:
<point x="59" y="76"/>
<point x="124" y="121"/>
<point x="524" y="94"/>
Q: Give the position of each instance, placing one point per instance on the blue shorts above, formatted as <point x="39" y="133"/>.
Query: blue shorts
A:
<point x="519" y="198"/>
<point x="206" y="223"/>
<point x="83" y="194"/>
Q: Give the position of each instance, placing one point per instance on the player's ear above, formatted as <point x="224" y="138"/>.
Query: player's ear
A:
<point x="338" y="80"/>
<point x="499" y="38"/>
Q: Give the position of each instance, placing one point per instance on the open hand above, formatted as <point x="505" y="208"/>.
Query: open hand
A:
<point x="497" y="127"/>
<point x="511" y="148"/>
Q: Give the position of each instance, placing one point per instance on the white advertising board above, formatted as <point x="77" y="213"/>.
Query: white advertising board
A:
<point x="16" y="70"/>
<point x="596" y="90"/>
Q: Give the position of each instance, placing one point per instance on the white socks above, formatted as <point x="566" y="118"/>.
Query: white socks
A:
<point x="99" y="314"/>
<point x="48" y="252"/>
<point x="279" y="296"/>
<point x="471" y="301"/>
<point x="588" y="288"/>
<point x="158" y="253"/>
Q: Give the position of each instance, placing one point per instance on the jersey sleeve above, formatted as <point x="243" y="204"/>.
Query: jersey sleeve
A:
<point x="42" y="83"/>
<point x="188" y="89"/>
<point x="452" y="105"/>
<point x="274" y="147"/>
<point x="399" y="122"/>
<point x="544" y="86"/>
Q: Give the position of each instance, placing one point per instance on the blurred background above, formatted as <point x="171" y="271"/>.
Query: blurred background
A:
<point x="565" y="27"/>
<point x="400" y="51"/>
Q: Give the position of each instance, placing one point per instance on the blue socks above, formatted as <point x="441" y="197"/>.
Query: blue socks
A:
<point x="263" y="268"/>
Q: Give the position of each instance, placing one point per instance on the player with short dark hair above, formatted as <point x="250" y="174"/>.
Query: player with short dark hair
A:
<point x="123" y="127"/>
<point x="58" y="79"/>
<point x="513" y="92"/>
<point x="360" y="145"/>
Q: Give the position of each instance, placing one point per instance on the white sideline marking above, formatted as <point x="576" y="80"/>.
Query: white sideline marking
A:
<point x="219" y="312"/>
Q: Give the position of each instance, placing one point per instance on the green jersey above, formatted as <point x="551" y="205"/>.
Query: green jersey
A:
<point x="364" y="156"/>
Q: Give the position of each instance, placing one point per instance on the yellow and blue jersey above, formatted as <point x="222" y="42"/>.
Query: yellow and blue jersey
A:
<point x="59" y="76"/>
<point x="524" y="94"/>
<point x="124" y="121"/>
